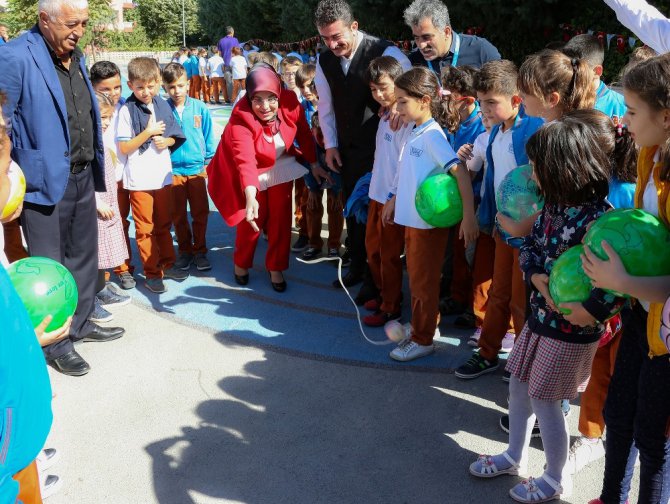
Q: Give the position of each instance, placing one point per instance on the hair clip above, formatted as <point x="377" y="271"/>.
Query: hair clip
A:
<point x="574" y="62"/>
<point x="621" y="130"/>
<point x="443" y="93"/>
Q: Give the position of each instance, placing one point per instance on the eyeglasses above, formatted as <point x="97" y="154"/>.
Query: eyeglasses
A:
<point x="288" y="74"/>
<point x="259" y="102"/>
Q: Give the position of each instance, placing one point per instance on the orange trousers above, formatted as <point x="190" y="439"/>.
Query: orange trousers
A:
<point x="384" y="245"/>
<point x="507" y="297"/>
<point x="152" y="213"/>
<point x="14" y="249"/>
<point x="194" y="87"/>
<point x="29" y="485"/>
<point x="314" y="220"/>
<point x="218" y="85"/>
<point x="204" y="89"/>
<point x="123" y="197"/>
<point x="300" y="200"/>
<point x="274" y="216"/>
<point x="191" y="190"/>
<point x="591" y="421"/>
<point x="424" y="249"/>
<point x="482" y="275"/>
<point x="238" y="84"/>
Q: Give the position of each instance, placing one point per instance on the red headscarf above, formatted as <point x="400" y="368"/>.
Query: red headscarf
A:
<point x="262" y="77"/>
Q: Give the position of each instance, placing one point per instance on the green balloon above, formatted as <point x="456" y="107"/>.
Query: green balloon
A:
<point x="518" y="195"/>
<point x="567" y="282"/>
<point x="640" y="239"/>
<point x="438" y="201"/>
<point x="46" y="287"/>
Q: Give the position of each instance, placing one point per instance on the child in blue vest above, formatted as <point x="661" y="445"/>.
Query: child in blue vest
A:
<point x="464" y="125"/>
<point x="188" y="170"/>
<point x="589" y="48"/>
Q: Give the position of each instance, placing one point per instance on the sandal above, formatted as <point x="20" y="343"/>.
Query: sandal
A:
<point x="484" y="467"/>
<point x="529" y="491"/>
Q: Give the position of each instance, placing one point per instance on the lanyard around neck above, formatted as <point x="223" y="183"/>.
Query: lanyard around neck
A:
<point x="454" y="59"/>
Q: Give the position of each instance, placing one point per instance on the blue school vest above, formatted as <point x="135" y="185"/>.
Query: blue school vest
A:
<point x="610" y="102"/>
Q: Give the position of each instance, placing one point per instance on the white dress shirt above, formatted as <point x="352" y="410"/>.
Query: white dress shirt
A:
<point x="326" y="112"/>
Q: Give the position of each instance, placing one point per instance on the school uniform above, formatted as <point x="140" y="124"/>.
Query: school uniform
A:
<point x="148" y="177"/>
<point x="194" y="79"/>
<point x="385" y="244"/>
<point x="507" y="294"/>
<point x="203" y="71"/>
<point x="215" y="66"/>
<point x="425" y="149"/>
<point x="610" y="102"/>
<point x="189" y="177"/>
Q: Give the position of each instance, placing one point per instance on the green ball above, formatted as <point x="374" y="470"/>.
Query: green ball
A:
<point x="518" y="195"/>
<point x="567" y="282"/>
<point x="438" y="201"/>
<point x="46" y="287"/>
<point x="640" y="239"/>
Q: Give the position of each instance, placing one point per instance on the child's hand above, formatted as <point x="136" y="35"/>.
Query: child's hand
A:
<point x="609" y="274"/>
<point x="541" y="283"/>
<point x="14" y="216"/>
<point x="469" y="230"/>
<point x="320" y="174"/>
<point x="507" y="223"/>
<point x="105" y="212"/>
<point x="48" y="338"/>
<point x="313" y="200"/>
<point x="465" y="152"/>
<point x="388" y="213"/>
<point x="161" y="142"/>
<point x="155" y="128"/>
<point x="578" y="316"/>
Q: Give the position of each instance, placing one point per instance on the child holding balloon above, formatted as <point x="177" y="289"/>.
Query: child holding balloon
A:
<point x="637" y="408"/>
<point x="552" y="356"/>
<point x="425" y="153"/>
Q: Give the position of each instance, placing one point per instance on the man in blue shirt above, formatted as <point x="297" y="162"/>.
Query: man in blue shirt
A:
<point x="4" y="35"/>
<point x="438" y="46"/>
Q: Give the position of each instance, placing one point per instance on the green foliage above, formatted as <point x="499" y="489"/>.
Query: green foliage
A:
<point x="162" y="21"/>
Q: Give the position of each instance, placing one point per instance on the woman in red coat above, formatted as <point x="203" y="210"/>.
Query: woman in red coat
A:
<point x="251" y="175"/>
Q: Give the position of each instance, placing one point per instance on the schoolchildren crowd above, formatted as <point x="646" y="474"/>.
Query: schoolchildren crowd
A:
<point x="591" y="149"/>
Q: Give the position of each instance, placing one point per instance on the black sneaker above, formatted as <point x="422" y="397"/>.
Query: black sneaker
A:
<point x="300" y="244"/>
<point x="504" y="425"/>
<point x="450" y="307"/>
<point x="506" y="376"/>
<point x="476" y="366"/>
<point x="155" y="285"/>
<point x="202" y="263"/>
<point x="311" y="253"/>
<point x="346" y="258"/>
<point x="175" y="274"/>
<point x="333" y="252"/>
<point x="184" y="261"/>
<point x="126" y="280"/>
<point x="466" y="321"/>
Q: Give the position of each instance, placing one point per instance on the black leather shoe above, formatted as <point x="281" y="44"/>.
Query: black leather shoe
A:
<point x="241" y="279"/>
<point x="101" y="334"/>
<point x="278" y="286"/>
<point x="71" y="364"/>
<point x="368" y="291"/>
<point x="349" y="280"/>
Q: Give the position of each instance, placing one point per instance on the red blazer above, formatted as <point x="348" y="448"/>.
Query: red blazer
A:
<point x="243" y="154"/>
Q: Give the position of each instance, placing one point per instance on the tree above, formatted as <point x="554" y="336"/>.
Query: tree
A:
<point x="162" y="20"/>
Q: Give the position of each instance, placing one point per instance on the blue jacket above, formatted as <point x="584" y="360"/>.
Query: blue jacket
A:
<point x="610" y="102"/>
<point x="38" y="115"/>
<point x="468" y="130"/>
<point x="199" y="148"/>
<point x="621" y="194"/>
<point x="523" y="129"/>
<point x="25" y="394"/>
<point x="191" y="66"/>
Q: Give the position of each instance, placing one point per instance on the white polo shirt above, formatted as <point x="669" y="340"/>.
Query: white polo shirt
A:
<point x="426" y="152"/>
<point x="147" y="171"/>
<point x="387" y="153"/>
<point x="504" y="160"/>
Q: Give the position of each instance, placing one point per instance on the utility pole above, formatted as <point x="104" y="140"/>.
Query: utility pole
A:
<point x="183" y="23"/>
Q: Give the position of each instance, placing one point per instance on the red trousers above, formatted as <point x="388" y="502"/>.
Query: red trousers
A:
<point x="14" y="249"/>
<point x="314" y="219"/>
<point x="482" y="275"/>
<point x="507" y="297"/>
<point x="204" y="89"/>
<point x="194" y="88"/>
<point x="123" y="197"/>
<point x="29" y="485"/>
<point x="384" y="245"/>
<point x="300" y="201"/>
<point x="191" y="190"/>
<point x="591" y="421"/>
<point x="274" y="216"/>
<point x="152" y="213"/>
<point x="424" y="249"/>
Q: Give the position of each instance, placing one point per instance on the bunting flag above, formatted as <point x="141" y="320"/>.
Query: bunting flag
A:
<point x="620" y="41"/>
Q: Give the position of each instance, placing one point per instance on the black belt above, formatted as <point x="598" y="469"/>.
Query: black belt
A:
<point x="79" y="167"/>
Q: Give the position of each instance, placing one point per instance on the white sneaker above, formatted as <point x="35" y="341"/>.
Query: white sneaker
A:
<point x="409" y="350"/>
<point x="49" y="485"/>
<point x="47" y="458"/>
<point x="584" y="451"/>
<point x="508" y="342"/>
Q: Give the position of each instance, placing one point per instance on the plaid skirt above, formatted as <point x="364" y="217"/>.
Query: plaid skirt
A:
<point x="112" y="250"/>
<point x="554" y="369"/>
